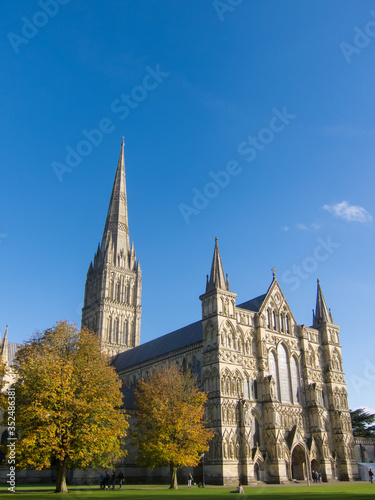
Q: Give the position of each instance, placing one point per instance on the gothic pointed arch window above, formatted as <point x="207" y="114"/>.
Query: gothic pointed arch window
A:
<point x="268" y="318"/>
<point x="109" y="329"/>
<point x="274" y="320"/>
<point x="295" y="379"/>
<point x="116" y="332"/>
<point x="284" y="374"/>
<point x="281" y="319"/>
<point x="118" y="290"/>
<point x="287" y="326"/>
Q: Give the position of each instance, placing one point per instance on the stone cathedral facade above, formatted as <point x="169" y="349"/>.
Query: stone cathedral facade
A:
<point x="277" y="396"/>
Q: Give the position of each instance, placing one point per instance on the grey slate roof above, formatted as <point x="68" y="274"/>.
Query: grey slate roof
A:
<point x="183" y="337"/>
<point x="173" y="341"/>
<point x="253" y="304"/>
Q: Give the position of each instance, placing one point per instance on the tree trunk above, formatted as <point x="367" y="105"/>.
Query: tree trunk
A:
<point x="61" y="477"/>
<point x="174" y="485"/>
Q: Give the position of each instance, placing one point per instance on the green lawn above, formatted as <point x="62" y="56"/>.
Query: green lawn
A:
<point x="360" y="491"/>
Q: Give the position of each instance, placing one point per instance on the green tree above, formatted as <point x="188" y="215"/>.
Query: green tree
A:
<point x="361" y="423"/>
<point x="68" y="403"/>
<point x="170" y="429"/>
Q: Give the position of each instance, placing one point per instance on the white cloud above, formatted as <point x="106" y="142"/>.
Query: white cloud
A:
<point x="346" y="131"/>
<point x="304" y="227"/>
<point x="351" y="213"/>
<point x="285" y="228"/>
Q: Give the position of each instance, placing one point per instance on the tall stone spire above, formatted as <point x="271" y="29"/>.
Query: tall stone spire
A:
<point x="116" y="230"/>
<point x="217" y="279"/>
<point x="5" y="348"/>
<point x="322" y="313"/>
<point x="112" y="304"/>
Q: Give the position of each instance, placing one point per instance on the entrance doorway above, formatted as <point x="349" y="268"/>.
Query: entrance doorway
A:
<point x="259" y="471"/>
<point x="298" y="463"/>
<point x="315" y="466"/>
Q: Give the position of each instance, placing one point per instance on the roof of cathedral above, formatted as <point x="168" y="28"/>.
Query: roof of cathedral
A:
<point x="178" y="339"/>
<point x="253" y="304"/>
<point x="173" y="341"/>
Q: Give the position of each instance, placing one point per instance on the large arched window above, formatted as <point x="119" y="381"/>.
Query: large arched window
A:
<point x="284" y="374"/>
<point x="295" y="379"/>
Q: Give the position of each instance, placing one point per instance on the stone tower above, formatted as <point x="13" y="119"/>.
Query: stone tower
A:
<point x="112" y="303"/>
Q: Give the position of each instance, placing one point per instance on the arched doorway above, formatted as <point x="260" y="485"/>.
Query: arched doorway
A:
<point x="298" y="462"/>
<point x="256" y="472"/>
<point x="259" y="471"/>
<point x="315" y="467"/>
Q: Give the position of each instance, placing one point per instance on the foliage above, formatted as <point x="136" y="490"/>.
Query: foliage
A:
<point x="68" y="403"/>
<point x="361" y="423"/>
<point x="170" y="428"/>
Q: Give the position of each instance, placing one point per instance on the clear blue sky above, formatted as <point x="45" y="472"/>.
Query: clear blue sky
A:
<point x="280" y="95"/>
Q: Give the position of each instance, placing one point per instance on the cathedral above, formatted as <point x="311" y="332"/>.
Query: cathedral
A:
<point x="277" y="396"/>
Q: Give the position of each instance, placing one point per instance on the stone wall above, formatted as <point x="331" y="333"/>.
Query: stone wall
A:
<point x="364" y="449"/>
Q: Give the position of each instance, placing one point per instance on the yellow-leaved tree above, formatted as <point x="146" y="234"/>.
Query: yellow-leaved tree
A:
<point x="68" y="403"/>
<point x="170" y="429"/>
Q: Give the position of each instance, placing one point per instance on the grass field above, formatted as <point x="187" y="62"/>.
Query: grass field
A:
<point x="360" y="491"/>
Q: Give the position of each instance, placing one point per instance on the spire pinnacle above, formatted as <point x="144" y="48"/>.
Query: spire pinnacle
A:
<point x="4" y="347"/>
<point x="217" y="279"/>
<point x="116" y="226"/>
<point x="322" y="313"/>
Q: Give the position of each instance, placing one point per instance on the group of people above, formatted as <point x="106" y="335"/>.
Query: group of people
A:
<point x="107" y="481"/>
<point x="316" y="476"/>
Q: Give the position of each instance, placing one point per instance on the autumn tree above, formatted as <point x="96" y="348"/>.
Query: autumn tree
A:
<point x="68" y="403"/>
<point x="170" y="428"/>
<point x="361" y="423"/>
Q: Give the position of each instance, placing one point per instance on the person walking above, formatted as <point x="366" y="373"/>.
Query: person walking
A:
<point x="190" y="480"/>
<point x="113" y="480"/>
<point x="121" y="478"/>
<point x="106" y="481"/>
<point x="371" y="475"/>
<point x="101" y="481"/>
